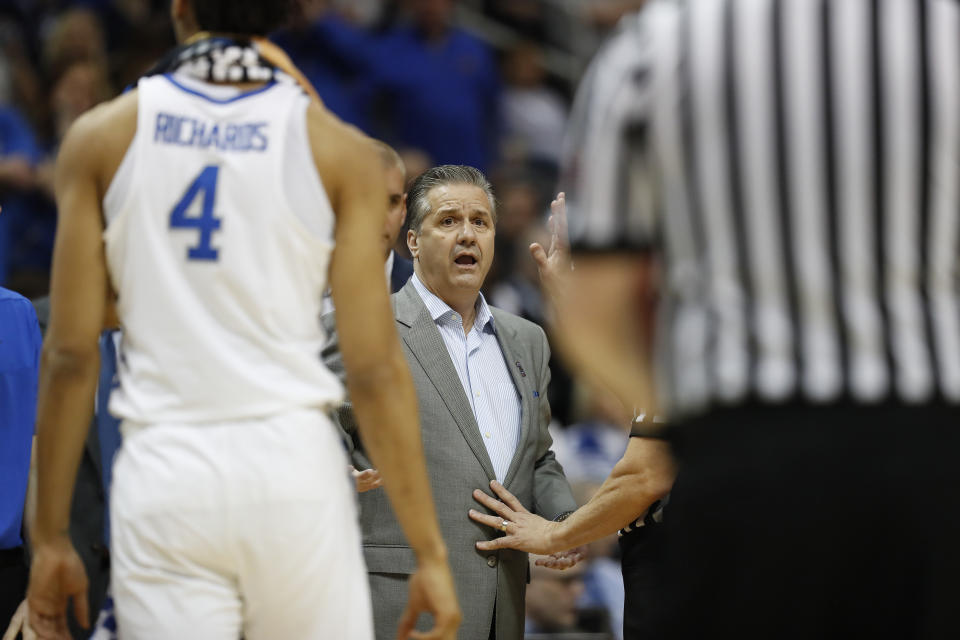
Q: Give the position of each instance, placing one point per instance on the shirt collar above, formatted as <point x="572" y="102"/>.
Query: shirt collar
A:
<point x="439" y="309"/>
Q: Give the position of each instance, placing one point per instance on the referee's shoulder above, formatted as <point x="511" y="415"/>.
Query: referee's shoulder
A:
<point x="653" y="14"/>
<point x="633" y="41"/>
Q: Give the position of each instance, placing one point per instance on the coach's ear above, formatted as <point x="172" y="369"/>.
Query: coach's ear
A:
<point x="413" y="243"/>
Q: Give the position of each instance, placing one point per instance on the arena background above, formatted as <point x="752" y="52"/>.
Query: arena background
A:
<point x="491" y="88"/>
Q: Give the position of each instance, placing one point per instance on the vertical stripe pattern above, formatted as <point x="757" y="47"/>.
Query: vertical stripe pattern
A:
<point x="807" y="161"/>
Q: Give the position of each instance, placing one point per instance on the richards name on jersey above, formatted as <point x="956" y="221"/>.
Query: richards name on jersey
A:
<point x="186" y="131"/>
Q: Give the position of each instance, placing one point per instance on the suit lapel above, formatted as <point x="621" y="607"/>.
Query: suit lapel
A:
<point x="507" y="337"/>
<point x="423" y="339"/>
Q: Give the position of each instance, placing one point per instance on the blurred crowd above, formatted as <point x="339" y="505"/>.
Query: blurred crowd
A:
<point x="485" y="83"/>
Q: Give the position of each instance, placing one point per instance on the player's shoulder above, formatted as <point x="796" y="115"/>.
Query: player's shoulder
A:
<point x="339" y="149"/>
<point x="107" y="125"/>
<point x="636" y="30"/>
<point x="323" y="124"/>
<point x="107" y="115"/>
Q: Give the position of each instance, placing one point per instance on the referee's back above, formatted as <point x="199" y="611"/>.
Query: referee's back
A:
<point x="798" y="164"/>
<point x="795" y="165"/>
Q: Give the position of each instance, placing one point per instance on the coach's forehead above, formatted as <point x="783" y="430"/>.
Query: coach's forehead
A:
<point x="459" y="196"/>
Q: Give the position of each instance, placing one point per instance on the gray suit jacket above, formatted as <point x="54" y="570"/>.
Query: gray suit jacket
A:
<point x="457" y="463"/>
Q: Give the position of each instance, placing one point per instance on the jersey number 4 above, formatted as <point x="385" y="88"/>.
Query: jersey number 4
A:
<point x="205" y="186"/>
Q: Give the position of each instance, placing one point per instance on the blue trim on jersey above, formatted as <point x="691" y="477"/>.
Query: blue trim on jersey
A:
<point x="173" y="81"/>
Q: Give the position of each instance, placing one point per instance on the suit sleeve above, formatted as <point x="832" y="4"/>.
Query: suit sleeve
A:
<point x="342" y="417"/>
<point x="551" y="491"/>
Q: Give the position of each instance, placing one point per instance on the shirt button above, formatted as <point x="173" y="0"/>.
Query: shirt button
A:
<point x="491" y="561"/>
<point x="487" y="434"/>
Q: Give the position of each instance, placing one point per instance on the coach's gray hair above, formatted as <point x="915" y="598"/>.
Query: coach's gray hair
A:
<point x="419" y="206"/>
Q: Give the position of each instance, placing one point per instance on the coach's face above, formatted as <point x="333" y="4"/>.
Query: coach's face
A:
<point x="454" y="248"/>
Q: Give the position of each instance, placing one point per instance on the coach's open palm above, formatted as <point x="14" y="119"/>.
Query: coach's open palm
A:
<point x="56" y="574"/>
<point x="431" y="590"/>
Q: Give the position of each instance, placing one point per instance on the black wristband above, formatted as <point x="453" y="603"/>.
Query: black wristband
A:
<point x="642" y="428"/>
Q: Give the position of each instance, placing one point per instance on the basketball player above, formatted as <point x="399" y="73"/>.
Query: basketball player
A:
<point x="210" y="199"/>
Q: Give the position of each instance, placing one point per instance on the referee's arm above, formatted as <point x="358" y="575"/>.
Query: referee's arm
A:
<point x="642" y="476"/>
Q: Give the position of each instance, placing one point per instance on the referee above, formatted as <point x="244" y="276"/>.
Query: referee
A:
<point x="794" y="167"/>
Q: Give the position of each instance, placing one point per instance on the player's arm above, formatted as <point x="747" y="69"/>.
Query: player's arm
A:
<point x="68" y="374"/>
<point x="378" y="379"/>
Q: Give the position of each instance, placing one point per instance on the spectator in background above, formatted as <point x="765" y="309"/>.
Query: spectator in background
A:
<point x="75" y="34"/>
<point x="332" y="51"/>
<point x="534" y="114"/>
<point x="552" y="597"/>
<point x="514" y="285"/>
<point x="18" y="156"/>
<point x="19" y="369"/>
<point x="438" y="86"/>
<point x="78" y="85"/>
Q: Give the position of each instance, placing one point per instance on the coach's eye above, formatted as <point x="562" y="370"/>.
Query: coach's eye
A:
<point x="447" y="222"/>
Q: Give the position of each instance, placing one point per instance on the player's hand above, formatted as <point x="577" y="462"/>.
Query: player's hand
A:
<point x="554" y="263"/>
<point x="563" y="559"/>
<point x="366" y="480"/>
<point x="431" y="590"/>
<point x="56" y="575"/>
<point x="20" y="623"/>
<point x="525" y="531"/>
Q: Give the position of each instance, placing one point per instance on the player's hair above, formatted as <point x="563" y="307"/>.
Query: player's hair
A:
<point x="242" y="17"/>
<point x="419" y="206"/>
<point x="389" y="156"/>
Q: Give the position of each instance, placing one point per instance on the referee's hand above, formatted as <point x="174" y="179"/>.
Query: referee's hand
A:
<point x="521" y="529"/>
<point x="554" y="263"/>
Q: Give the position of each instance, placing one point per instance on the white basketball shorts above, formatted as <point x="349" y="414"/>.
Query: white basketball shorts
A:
<point x="237" y="529"/>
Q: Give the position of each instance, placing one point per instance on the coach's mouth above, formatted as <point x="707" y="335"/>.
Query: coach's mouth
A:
<point x="466" y="260"/>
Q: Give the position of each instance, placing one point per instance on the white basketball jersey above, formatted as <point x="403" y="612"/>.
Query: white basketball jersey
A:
<point x="219" y="234"/>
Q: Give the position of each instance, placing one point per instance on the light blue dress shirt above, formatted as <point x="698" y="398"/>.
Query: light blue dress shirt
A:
<point x="483" y="372"/>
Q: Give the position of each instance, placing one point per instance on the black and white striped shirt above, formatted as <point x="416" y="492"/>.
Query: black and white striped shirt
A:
<point x="797" y="163"/>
